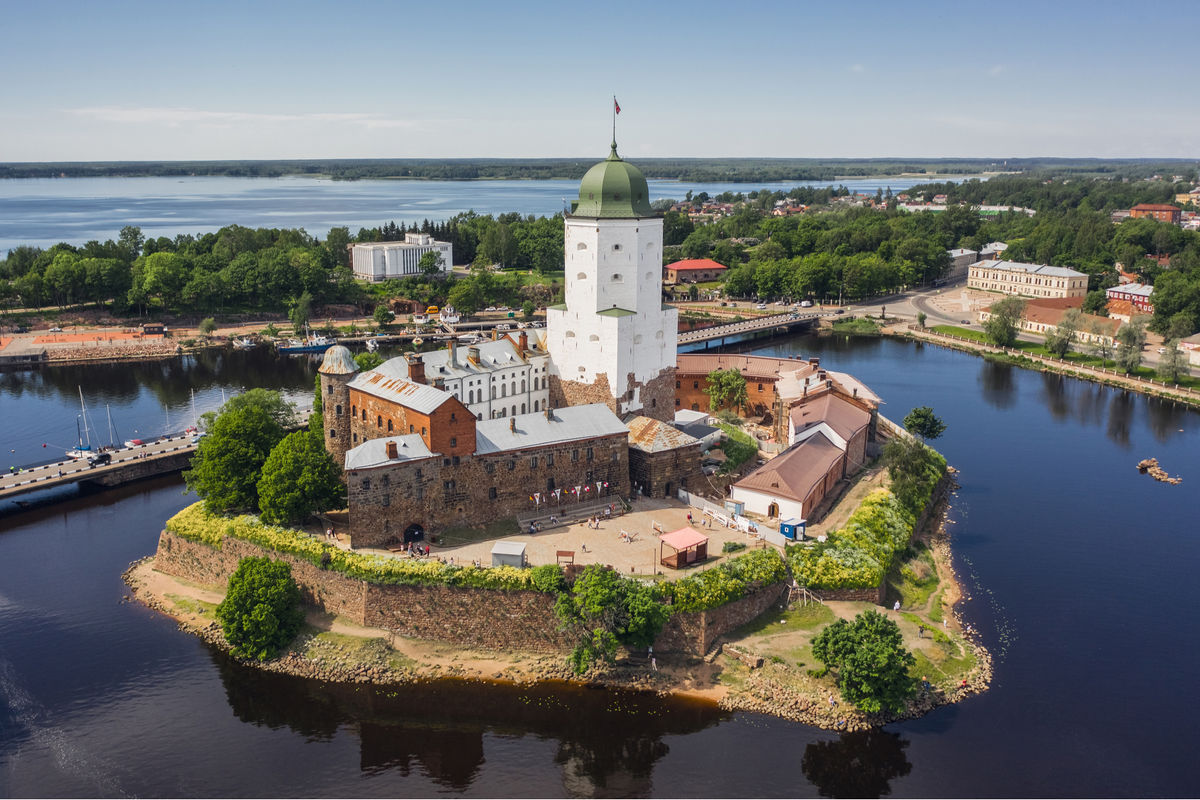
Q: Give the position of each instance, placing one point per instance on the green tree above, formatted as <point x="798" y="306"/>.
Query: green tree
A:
<point x="914" y="470"/>
<point x="921" y="317"/>
<point x="1059" y="340"/>
<point x="726" y="388"/>
<point x="603" y="610"/>
<point x="431" y="263"/>
<point x="1101" y="345"/>
<point x="228" y="462"/>
<point x="1003" y="324"/>
<point x="1131" y="338"/>
<point x="1173" y="362"/>
<point x="368" y="360"/>
<point x="922" y="422"/>
<point x="870" y="659"/>
<point x="271" y="402"/>
<point x="527" y="309"/>
<point x="383" y="315"/>
<point x="1096" y="303"/>
<point x="261" y="611"/>
<point x="207" y="326"/>
<point x="299" y="478"/>
<point x="301" y="311"/>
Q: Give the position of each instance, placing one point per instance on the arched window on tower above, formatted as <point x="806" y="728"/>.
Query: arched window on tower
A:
<point x="581" y="246"/>
<point x="582" y="276"/>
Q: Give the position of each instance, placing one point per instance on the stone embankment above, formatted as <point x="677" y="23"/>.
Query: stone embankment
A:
<point x="1150" y="466"/>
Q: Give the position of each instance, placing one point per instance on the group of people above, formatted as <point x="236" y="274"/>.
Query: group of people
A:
<point x="417" y="550"/>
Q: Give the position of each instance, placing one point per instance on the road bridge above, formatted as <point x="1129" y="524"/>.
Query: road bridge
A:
<point x="772" y="322"/>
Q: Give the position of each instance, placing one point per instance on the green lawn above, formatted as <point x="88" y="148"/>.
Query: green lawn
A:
<point x="857" y="325"/>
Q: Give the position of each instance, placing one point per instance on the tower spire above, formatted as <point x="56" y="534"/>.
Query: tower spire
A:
<point x="616" y="110"/>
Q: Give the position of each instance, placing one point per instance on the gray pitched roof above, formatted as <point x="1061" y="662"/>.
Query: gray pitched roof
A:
<point x="532" y="430"/>
<point x="492" y="356"/>
<point x="389" y="381"/>
<point x="1034" y="269"/>
<point x="373" y="452"/>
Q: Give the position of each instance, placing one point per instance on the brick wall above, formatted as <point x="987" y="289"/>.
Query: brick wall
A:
<point x="449" y="429"/>
<point x="577" y="393"/>
<point x="690" y="386"/>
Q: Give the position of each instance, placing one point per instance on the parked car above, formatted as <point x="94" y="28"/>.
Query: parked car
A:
<point x="840" y="311"/>
<point x="99" y="459"/>
<point x="965" y="321"/>
<point x="761" y="306"/>
<point x="504" y="326"/>
<point x="806" y="304"/>
<point x="56" y="329"/>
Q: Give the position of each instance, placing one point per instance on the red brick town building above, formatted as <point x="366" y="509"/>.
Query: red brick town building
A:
<point x="693" y="270"/>
<point x="1158" y="211"/>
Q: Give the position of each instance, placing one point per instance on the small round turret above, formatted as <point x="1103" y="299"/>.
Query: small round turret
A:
<point x="336" y="371"/>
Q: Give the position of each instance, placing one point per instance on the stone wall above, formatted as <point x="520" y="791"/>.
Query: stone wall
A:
<point x="657" y="395"/>
<point x="140" y="468"/>
<point x="695" y="632"/>
<point x="662" y="474"/>
<point x="487" y="618"/>
<point x="578" y="393"/>
<point x="438" y="492"/>
<point x="868" y="595"/>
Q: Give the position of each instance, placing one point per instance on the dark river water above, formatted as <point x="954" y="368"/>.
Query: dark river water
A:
<point x="1081" y="574"/>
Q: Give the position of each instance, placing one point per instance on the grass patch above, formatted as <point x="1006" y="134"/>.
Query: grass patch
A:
<point x="739" y="448"/>
<point x="352" y="650"/>
<point x="856" y="325"/>
<point x="914" y="578"/>
<point x="803" y="618"/>
<point x="497" y="529"/>
<point x="189" y="605"/>
<point x="935" y="607"/>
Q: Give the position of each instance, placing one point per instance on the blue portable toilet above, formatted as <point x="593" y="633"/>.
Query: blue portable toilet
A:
<point x="793" y="528"/>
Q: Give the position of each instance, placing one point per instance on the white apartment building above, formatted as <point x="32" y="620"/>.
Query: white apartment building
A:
<point x="1027" y="280"/>
<point x="381" y="261"/>
<point x="494" y="379"/>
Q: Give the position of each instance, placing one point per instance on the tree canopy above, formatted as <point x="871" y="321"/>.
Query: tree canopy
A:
<point x="228" y="462"/>
<point x="299" y="478"/>
<point x="870" y="659"/>
<point x="726" y="388"/>
<point x="261" y="611"/>
<point x="1004" y="323"/>
<point x="922" y="422"/>
<point x="603" y="610"/>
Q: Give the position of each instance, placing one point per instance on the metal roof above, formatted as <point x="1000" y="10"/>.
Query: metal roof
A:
<point x="616" y="312"/>
<point x="523" y="431"/>
<point x="793" y="475"/>
<point x="613" y="189"/>
<point x="389" y="381"/>
<point x="653" y="436"/>
<point x="373" y="452"/>
<point x="843" y="416"/>
<point x="1033" y="269"/>
<point x="683" y="538"/>
<point x="495" y="355"/>
<point x="503" y="548"/>
<point x="338" y="361"/>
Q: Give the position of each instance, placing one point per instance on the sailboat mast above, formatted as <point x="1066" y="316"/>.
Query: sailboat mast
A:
<point x="83" y="410"/>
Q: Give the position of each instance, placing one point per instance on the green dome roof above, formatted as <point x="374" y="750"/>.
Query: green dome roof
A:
<point x="613" y="189"/>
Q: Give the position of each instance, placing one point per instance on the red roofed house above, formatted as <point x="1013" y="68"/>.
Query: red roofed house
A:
<point x="693" y="270"/>
<point x="1158" y="211"/>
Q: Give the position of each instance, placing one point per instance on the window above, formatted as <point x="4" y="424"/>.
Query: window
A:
<point x="378" y="421"/>
<point x="549" y="459"/>
<point x="489" y="468"/>
<point x="695" y="384"/>
<point x="445" y="462"/>
<point x="339" y="409"/>
<point x="386" y="501"/>
<point x="533" y="462"/>
<point x="423" y="431"/>
<point x="512" y="464"/>
<point x="616" y="456"/>
<point x="590" y="453"/>
<point x="452" y="417"/>
<point x="574" y="455"/>
<point x="454" y="460"/>
<point x="760" y="387"/>
<point x="522" y="386"/>
<point x="332" y="433"/>
<point x="616" y="246"/>
<point x="389" y="426"/>
<point x="420" y="474"/>
<point x="654" y="402"/>
<point x="514" y="409"/>
<point x="411" y="429"/>
<point x="420" y="492"/>
<point x="354" y="437"/>
<point x="448" y="486"/>
<point x="454" y="441"/>
<point x="364" y="415"/>
<point x="366" y="484"/>
<point x="492" y="493"/>
<point x="677" y="384"/>
<point x="353" y="411"/>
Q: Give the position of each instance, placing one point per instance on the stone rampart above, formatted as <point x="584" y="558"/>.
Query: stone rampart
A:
<point x="695" y="632"/>
<point x="486" y="618"/>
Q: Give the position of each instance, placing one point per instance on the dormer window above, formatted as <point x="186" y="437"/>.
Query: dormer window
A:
<point x="616" y="247"/>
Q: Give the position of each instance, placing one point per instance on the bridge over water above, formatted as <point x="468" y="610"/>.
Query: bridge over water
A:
<point x="773" y="322"/>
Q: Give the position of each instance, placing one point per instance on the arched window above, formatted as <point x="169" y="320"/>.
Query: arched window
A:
<point x="379" y="422"/>
<point x="389" y="426"/>
<point x="503" y="390"/>
<point x="616" y="278"/>
<point x="593" y="338"/>
<point x="581" y="276"/>
<point x="522" y="386"/>
<point x="570" y="334"/>
<point x="522" y="408"/>
<point x="514" y="409"/>
<point x="339" y="409"/>
<point x="581" y="246"/>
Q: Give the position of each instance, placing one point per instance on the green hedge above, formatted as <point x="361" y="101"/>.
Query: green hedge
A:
<point x="709" y="589"/>
<point x="858" y="555"/>
<point x="196" y="524"/>
<point x="727" y="582"/>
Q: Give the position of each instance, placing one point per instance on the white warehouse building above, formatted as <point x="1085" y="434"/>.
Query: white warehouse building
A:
<point x="381" y="261"/>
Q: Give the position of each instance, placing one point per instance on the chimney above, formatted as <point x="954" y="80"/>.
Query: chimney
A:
<point x="523" y="343"/>
<point x="416" y="368"/>
<point x="854" y="392"/>
<point x="512" y="424"/>
<point x="439" y="383"/>
<point x="391" y="450"/>
<point x="495" y="334"/>
<point x="549" y="413"/>
<point x="453" y="351"/>
<point x="473" y="355"/>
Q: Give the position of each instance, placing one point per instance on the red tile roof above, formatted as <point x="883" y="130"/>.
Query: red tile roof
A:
<point x="695" y="263"/>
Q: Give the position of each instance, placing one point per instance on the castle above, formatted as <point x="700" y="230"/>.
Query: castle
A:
<point x="515" y="425"/>
<point x="564" y="419"/>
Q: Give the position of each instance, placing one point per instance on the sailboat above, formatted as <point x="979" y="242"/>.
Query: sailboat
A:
<point x="81" y="450"/>
<point x="312" y="343"/>
<point x="113" y="438"/>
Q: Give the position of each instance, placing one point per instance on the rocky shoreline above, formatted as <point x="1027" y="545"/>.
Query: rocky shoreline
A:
<point x="766" y="690"/>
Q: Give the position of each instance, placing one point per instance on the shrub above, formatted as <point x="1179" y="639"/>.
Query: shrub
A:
<point x="732" y="547"/>
<point x="261" y="610"/>
<point x="727" y="582"/>
<point x="871" y="661"/>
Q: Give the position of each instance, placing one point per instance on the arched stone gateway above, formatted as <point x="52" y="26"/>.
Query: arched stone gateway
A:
<point x="414" y="533"/>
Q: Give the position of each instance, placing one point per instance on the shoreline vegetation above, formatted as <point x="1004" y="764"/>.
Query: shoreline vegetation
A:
<point x="766" y="666"/>
<point x="733" y="170"/>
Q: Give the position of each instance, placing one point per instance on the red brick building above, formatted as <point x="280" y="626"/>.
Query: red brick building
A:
<point x="1158" y="211"/>
<point x="693" y="270"/>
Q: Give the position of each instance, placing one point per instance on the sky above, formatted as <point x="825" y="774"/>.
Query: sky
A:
<point x="92" y="81"/>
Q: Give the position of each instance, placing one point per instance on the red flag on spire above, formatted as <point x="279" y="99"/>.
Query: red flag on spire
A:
<point x="616" y="106"/>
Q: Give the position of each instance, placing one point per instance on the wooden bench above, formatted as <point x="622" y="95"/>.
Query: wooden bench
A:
<point x="569" y="555"/>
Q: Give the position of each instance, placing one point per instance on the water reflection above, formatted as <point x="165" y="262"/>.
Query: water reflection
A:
<point x="997" y="385"/>
<point x="860" y="764"/>
<point x="608" y="743"/>
<point x="1120" y="416"/>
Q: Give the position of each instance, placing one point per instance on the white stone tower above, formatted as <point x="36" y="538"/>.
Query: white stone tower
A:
<point x="613" y="341"/>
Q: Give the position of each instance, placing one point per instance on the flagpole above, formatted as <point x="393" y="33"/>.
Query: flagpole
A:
<point x="614" y="117"/>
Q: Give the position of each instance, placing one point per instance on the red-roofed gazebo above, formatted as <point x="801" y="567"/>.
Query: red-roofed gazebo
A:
<point x="688" y="546"/>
